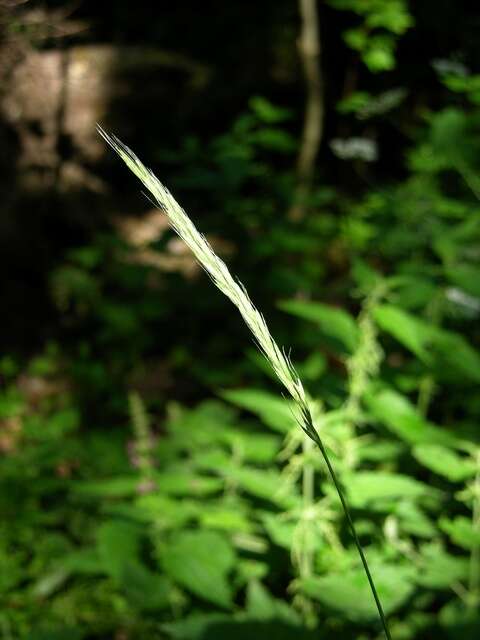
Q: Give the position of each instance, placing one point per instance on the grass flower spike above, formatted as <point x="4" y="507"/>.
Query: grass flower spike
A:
<point x="236" y="292"/>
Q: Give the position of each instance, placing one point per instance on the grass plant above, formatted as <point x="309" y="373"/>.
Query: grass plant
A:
<point x="236" y="292"/>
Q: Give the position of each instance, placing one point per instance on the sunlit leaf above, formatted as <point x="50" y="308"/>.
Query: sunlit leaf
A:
<point x="350" y="593"/>
<point x="200" y="562"/>
<point x="444" y="462"/>
<point x="333" y="322"/>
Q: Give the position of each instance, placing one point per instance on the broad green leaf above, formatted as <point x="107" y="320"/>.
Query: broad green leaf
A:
<point x="118" y="545"/>
<point x="441" y="570"/>
<point x="200" y="562"/>
<point x="266" y="484"/>
<point x="84" y="561"/>
<point x="212" y="459"/>
<point x="145" y="589"/>
<point x="275" y="139"/>
<point x="267" y="111"/>
<point x="120" y="487"/>
<point x="117" y="542"/>
<point x="212" y="626"/>
<point x="350" y="593"/>
<point x="444" y="462"/>
<point x="187" y="483"/>
<point x="253" y="447"/>
<point x="414" y="291"/>
<point x="195" y="626"/>
<point x="411" y="332"/>
<point x="465" y="276"/>
<point x="334" y="323"/>
<point x="280" y="531"/>
<point x="379" y="57"/>
<point x="249" y="570"/>
<point x="313" y="367"/>
<point x="461" y="531"/>
<point x="206" y="424"/>
<point x="460" y="621"/>
<point x="453" y="356"/>
<point x="400" y="416"/>
<point x="413" y="520"/>
<point x="261" y="605"/>
<point x="273" y="410"/>
<point x="167" y="512"/>
<point x="379" y="450"/>
<point x="368" y="487"/>
<point x="228" y="519"/>
<point x="446" y="351"/>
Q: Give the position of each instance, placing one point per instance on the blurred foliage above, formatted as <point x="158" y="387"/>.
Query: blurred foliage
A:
<point x="154" y="484"/>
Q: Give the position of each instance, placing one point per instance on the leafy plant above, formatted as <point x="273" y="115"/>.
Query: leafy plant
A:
<point x="235" y="291"/>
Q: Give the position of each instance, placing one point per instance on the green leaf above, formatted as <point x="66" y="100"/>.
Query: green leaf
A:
<point x="399" y="415"/>
<point x="356" y="38"/>
<point x="379" y="450"/>
<point x="261" y="605"/>
<point x="466" y="277"/>
<point x="63" y="421"/>
<point x="461" y="532"/>
<point x="281" y="532"/>
<point x="187" y="483"/>
<point x="448" y="352"/>
<point x="334" y="323"/>
<point x="275" y="412"/>
<point x="83" y="561"/>
<point x="165" y="511"/>
<point x="267" y="111"/>
<point x="205" y="424"/>
<point x="379" y="57"/>
<point x="117" y="541"/>
<point x="120" y="487"/>
<point x="350" y="593"/>
<point x="227" y="519"/>
<point x="367" y="487"/>
<point x="413" y="520"/>
<point x="145" y="589"/>
<point x="11" y="403"/>
<point x="440" y="570"/>
<point x="200" y="562"/>
<point x="118" y="545"/>
<point x="253" y="447"/>
<point x="195" y="626"/>
<point x="454" y="357"/>
<point x="249" y="570"/>
<point x="266" y="484"/>
<point x="411" y="332"/>
<point x="444" y="462"/>
<point x="275" y="139"/>
<point x="392" y="16"/>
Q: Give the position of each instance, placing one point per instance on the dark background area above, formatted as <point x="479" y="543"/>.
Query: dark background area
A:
<point x="139" y="429"/>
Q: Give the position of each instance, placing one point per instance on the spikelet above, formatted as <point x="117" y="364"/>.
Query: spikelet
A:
<point x="216" y="269"/>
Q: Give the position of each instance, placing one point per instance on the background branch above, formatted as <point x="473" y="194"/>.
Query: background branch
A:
<point x="309" y="47"/>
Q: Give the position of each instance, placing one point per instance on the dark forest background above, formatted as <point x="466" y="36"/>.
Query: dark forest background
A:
<point x="152" y="480"/>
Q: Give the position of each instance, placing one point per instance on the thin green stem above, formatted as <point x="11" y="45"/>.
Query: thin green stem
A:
<point x="318" y="441"/>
